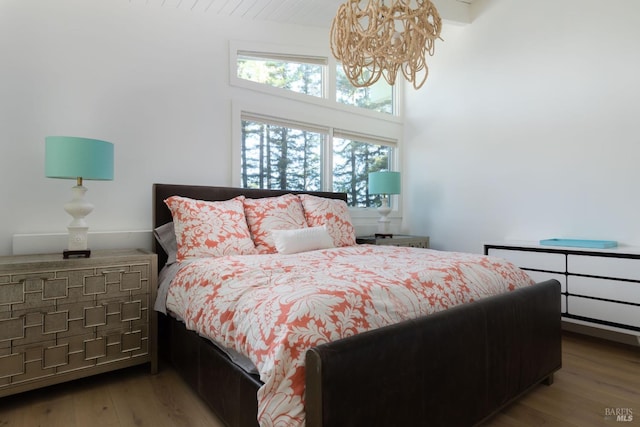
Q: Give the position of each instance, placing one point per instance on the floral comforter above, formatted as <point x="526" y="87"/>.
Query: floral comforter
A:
<point x="272" y="308"/>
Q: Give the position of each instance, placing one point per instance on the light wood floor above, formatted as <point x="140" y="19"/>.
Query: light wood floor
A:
<point x="596" y="375"/>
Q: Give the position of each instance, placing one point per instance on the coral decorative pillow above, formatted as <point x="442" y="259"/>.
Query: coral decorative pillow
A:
<point x="272" y="213"/>
<point x="210" y="229"/>
<point x="334" y="214"/>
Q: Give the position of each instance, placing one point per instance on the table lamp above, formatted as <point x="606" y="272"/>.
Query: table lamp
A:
<point x="384" y="183"/>
<point x="70" y="157"/>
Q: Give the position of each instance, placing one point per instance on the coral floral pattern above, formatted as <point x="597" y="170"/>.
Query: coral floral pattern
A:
<point x="272" y="213"/>
<point x="333" y="213"/>
<point x="210" y="229"/>
<point x="273" y="308"/>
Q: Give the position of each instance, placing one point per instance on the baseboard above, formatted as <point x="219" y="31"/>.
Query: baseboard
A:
<point x="24" y="244"/>
<point x="619" y="337"/>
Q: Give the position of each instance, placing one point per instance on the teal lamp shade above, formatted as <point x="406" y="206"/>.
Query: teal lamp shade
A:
<point x="385" y="182"/>
<point x="71" y="157"/>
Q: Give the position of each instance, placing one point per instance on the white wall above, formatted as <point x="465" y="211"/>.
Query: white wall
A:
<point x="153" y="80"/>
<point x="528" y="127"/>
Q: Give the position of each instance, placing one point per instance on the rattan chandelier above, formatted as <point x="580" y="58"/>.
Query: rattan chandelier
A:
<point x="373" y="40"/>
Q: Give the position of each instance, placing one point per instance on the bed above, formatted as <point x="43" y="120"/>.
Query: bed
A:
<point x="456" y="367"/>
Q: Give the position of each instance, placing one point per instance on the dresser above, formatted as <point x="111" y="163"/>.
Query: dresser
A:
<point x="395" y="240"/>
<point x="600" y="287"/>
<point x="66" y="319"/>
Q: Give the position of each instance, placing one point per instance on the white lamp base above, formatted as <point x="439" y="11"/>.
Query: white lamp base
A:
<point x="384" y="223"/>
<point x="77" y="238"/>
<point x="78" y="208"/>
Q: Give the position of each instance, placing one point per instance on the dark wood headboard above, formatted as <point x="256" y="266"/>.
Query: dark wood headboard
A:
<point x="162" y="214"/>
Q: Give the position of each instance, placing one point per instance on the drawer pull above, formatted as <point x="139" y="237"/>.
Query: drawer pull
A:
<point x="113" y="271"/>
<point x="27" y="279"/>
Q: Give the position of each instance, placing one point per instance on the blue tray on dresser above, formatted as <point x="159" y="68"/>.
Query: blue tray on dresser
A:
<point x="599" y="244"/>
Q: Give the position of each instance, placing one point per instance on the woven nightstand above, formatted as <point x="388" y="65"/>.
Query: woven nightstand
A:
<point x="66" y="319"/>
<point x="396" y="240"/>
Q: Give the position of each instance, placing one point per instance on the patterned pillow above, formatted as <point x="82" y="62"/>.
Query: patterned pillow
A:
<point x="333" y="213"/>
<point x="272" y="213"/>
<point x="210" y="229"/>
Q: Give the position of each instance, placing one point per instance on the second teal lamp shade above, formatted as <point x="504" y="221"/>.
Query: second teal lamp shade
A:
<point x="385" y="183"/>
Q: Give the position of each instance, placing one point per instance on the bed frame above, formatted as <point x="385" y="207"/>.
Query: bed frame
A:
<point x="453" y="368"/>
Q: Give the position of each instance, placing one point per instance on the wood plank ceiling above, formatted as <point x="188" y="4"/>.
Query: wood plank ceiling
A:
<point x="318" y="13"/>
<point x="304" y="12"/>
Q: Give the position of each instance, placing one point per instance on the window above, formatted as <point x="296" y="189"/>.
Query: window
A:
<point x="310" y="75"/>
<point x="378" y="97"/>
<point x="353" y="160"/>
<point x="300" y="125"/>
<point x="278" y="154"/>
<point x="295" y="73"/>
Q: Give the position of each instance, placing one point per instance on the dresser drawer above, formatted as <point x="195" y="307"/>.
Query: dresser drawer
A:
<point x="530" y="259"/>
<point x="619" y="268"/>
<point x="622" y="314"/>
<point x="604" y="288"/>
<point x="64" y="320"/>
<point x="541" y="276"/>
<point x="33" y="362"/>
<point x="30" y="290"/>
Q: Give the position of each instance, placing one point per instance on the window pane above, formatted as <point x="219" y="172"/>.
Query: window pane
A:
<point x="378" y="97"/>
<point x="292" y="75"/>
<point x="279" y="157"/>
<point x="352" y="162"/>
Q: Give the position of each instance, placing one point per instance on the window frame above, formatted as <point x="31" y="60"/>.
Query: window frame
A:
<point x="238" y="48"/>
<point x="283" y="115"/>
<point x="256" y="99"/>
<point x="327" y="147"/>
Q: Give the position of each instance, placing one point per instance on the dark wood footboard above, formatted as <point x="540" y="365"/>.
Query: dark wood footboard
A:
<point x="453" y="368"/>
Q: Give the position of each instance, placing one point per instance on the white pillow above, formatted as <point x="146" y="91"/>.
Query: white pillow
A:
<point x="302" y="239"/>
